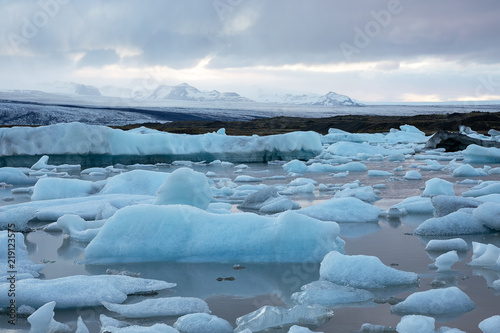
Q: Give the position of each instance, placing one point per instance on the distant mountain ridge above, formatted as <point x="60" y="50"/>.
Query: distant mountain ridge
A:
<point x="329" y="99"/>
<point x="186" y="92"/>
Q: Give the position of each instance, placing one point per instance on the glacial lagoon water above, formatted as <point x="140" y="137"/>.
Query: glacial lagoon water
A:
<point x="246" y="289"/>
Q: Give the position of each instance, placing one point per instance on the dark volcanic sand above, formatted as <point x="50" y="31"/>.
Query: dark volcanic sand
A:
<point x="478" y="121"/>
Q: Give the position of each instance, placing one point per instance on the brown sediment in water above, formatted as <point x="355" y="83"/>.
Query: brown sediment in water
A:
<point x="481" y="122"/>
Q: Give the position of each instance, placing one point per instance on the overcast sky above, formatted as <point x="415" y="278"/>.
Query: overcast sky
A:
<point x="372" y="50"/>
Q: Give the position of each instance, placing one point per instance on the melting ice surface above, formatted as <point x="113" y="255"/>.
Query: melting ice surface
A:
<point x="349" y="223"/>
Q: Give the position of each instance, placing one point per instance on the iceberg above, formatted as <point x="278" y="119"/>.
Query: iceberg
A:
<point x="456" y="223"/>
<point x="416" y="205"/>
<point x="446" y="204"/>
<point x="354" y="149"/>
<point x="15" y="176"/>
<point x="268" y="201"/>
<point x="485" y="188"/>
<point x="359" y="271"/>
<point x="144" y="182"/>
<point x="299" y="329"/>
<point x="477" y="154"/>
<point x="444" y="262"/>
<point x="435" y="302"/>
<point x="202" y="323"/>
<point x="78" y="229"/>
<point x="364" y="193"/>
<point x="490" y="325"/>
<point x="189" y="234"/>
<point x="343" y="210"/>
<point x="25" y="268"/>
<point x="90" y="140"/>
<point x="160" y="307"/>
<point x="56" y="188"/>
<point x="275" y="317"/>
<point x="467" y="170"/>
<point x="42" y="320"/>
<point x="488" y="214"/>
<point x="416" y="323"/>
<point x="438" y="186"/>
<point x="79" y="290"/>
<point x="186" y="187"/>
<point x="331" y="295"/>
<point x="485" y="256"/>
<point x="445" y="245"/>
<point x="412" y="175"/>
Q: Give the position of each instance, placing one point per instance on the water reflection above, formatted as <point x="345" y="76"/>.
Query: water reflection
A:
<point x="206" y="280"/>
<point x="358" y="230"/>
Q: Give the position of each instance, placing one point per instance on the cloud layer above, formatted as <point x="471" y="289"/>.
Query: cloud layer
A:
<point x="397" y="47"/>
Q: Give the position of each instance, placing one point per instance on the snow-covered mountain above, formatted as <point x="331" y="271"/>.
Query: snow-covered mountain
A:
<point x="330" y="99"/>
<point x="185" y="92"/>
<point x="70" y="88"/>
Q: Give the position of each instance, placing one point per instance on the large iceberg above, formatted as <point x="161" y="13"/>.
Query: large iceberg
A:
<point x="79" y="290"/>
<point x="143" y="182"/>
<point x="361" y="271"/>
<point x="189" y="234"/>
<point x="435" y="302"/>
<point x="477" y="154"/>
<point x="456" y="223"/>
<point x="91" y="140"/>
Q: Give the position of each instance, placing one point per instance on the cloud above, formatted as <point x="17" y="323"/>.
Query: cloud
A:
<point x="98" y="58"/>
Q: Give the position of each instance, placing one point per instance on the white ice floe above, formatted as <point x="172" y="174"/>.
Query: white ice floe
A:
<point x="444" y="262"/>
<point x="343" y="210"/>
<point x="187" y="187"/>
<point x="446" y="204"/>
<point x="78" y="229"/>
<point x="57" y="188"/>
<point x="435" y="302"/>
<point x="247" y="179"/>
<point x="379" y="173"/>
<point x="15" y="176"/>
<point x="438" y="186"/>
<point x="350" y="166"/>
<point x="490" y="325"/>
<point x="143" y="182"/>
<point x="268" y="201"/>
<point x="300" y="189"/>
<point x="42" y="321"/>
<point x="78" y="138"/>
<point x="276" y="317"/>
<point x="356" y="149"/>
<point x="467" y="170"/>
<point x="80" y="326"/>
<point x="477" y="154"/>
<point x="412" y="175"/>
<point x="445" y="245"/>
<point x="295" y="166"/>
<point x="488" y="214"/>
<point x="361" y="271"/>
<point x="300" y="329"/>
<point x="485" y="256"/>
<point x="364" y="193"/>
<point x="416" y="323"/>
<point x="485" y="188"/>
<point x="202" y="323"/>
<point x="302" y="181"/>
<point x="79" y="290"/>
<point x="160" y="307"/>
<point x="331" y="295"/>
<point x="456" y="223"/>
<point x="416" y="205"/>
<point x="24" y="267"/>
<point x="186" y="233"/>
<point x="50" y="210"/>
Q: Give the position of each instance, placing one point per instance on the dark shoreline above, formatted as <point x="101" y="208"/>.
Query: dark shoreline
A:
<point x="481" y="122"/>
